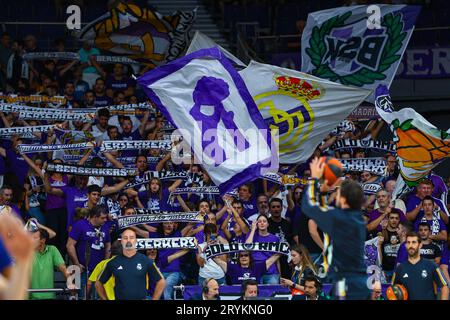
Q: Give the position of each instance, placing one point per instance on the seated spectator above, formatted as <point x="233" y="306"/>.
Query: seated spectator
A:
<point x="303" y="267"/>
<point x="249" y="290"/>
<point x="312" y="290"/>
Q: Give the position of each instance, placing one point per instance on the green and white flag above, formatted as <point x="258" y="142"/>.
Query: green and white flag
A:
<point x="359" y="45"/>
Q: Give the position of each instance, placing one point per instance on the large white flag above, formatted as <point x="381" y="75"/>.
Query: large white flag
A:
<point x="359" y="45"/>
<point x="206" y="99"/>
<point x="303" y="108"/>
<point x="202" y="41"/>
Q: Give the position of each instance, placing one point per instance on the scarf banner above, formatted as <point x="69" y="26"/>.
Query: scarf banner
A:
<point x="164" y="175"/>
<point x="59" y="116"/>
<point x="130" y="109"/>
<point x="385" y="146"/>
<point x="376" y="166"/>
<point x="371" y="188"/>
<point x="112" y="145"/>
<point x="352" y="46"/>
<point x="90" y="171"/>
<point x="231" y="139"/>
<point x="364" y="113"/>
<point x="24" y="130"/>
<point x="292" y="180"/>
<point x="59" y="100"/>
<point x="26" y="148"/>
<point x="166" y="243"/>
<point x="133" y="220"/>
<point x="218" y="249"/>
<point x="140" y="33"/>
<point x="75" y="56"/>
<point x="123" y="160"/>
<point x="196" y="190"/>
<point x="272" y="177"/>
<point x="51" y="56"/>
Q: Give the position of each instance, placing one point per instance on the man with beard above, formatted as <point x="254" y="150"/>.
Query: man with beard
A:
<point x="419" y="275"/>
<point x="130" y="269"/>
<point x="389" y="243"/>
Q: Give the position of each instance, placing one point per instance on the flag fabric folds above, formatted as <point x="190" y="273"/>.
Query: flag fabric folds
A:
<point x="205" y="98"/>
<point x="420" y="145"/>
<point x="303" y="108"/>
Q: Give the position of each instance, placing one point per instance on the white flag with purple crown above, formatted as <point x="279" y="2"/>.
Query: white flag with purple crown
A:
<point x="204" y="97"/>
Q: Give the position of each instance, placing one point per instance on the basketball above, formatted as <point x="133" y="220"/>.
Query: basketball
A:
<point x="333" y="170"/>
<point x="397" y="292"/>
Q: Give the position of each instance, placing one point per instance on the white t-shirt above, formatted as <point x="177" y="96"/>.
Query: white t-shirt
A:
<point x="211" y="269"/>
<point x="100" y="181"/>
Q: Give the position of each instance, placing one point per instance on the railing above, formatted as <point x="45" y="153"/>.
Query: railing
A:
<point x="61" y="291"/>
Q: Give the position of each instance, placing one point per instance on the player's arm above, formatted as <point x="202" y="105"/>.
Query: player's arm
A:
<point x="312" y="207"/>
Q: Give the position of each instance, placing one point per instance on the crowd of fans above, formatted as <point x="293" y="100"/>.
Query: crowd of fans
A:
<point x="72" y="217"/>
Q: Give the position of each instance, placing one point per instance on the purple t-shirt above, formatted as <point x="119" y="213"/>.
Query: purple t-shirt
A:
<point x="163" y="254"/>
<point x="96" y="238"/>
<point x="263" y="256"/>
<point x="121" y="85"/>
<point x="375" y="214"/>
<point x="75" y="198"/>
<point x="239" y="274"/>
<point x="16" y="164"/>
<point x="413" y="201"/>
<point x="102" y="101"/>
<point x="436" y="225"/>
<point x="445" y="258"/>
<point x="402" y="254"/>
<point x="55" y="202"/>
<point x="249" y="207"/>
<point x="134" y="135"/>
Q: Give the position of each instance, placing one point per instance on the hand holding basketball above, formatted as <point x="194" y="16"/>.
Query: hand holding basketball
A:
<point x="317" y="167"/>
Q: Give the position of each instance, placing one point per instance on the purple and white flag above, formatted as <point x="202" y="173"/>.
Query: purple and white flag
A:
<point x="204" y="97"/>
